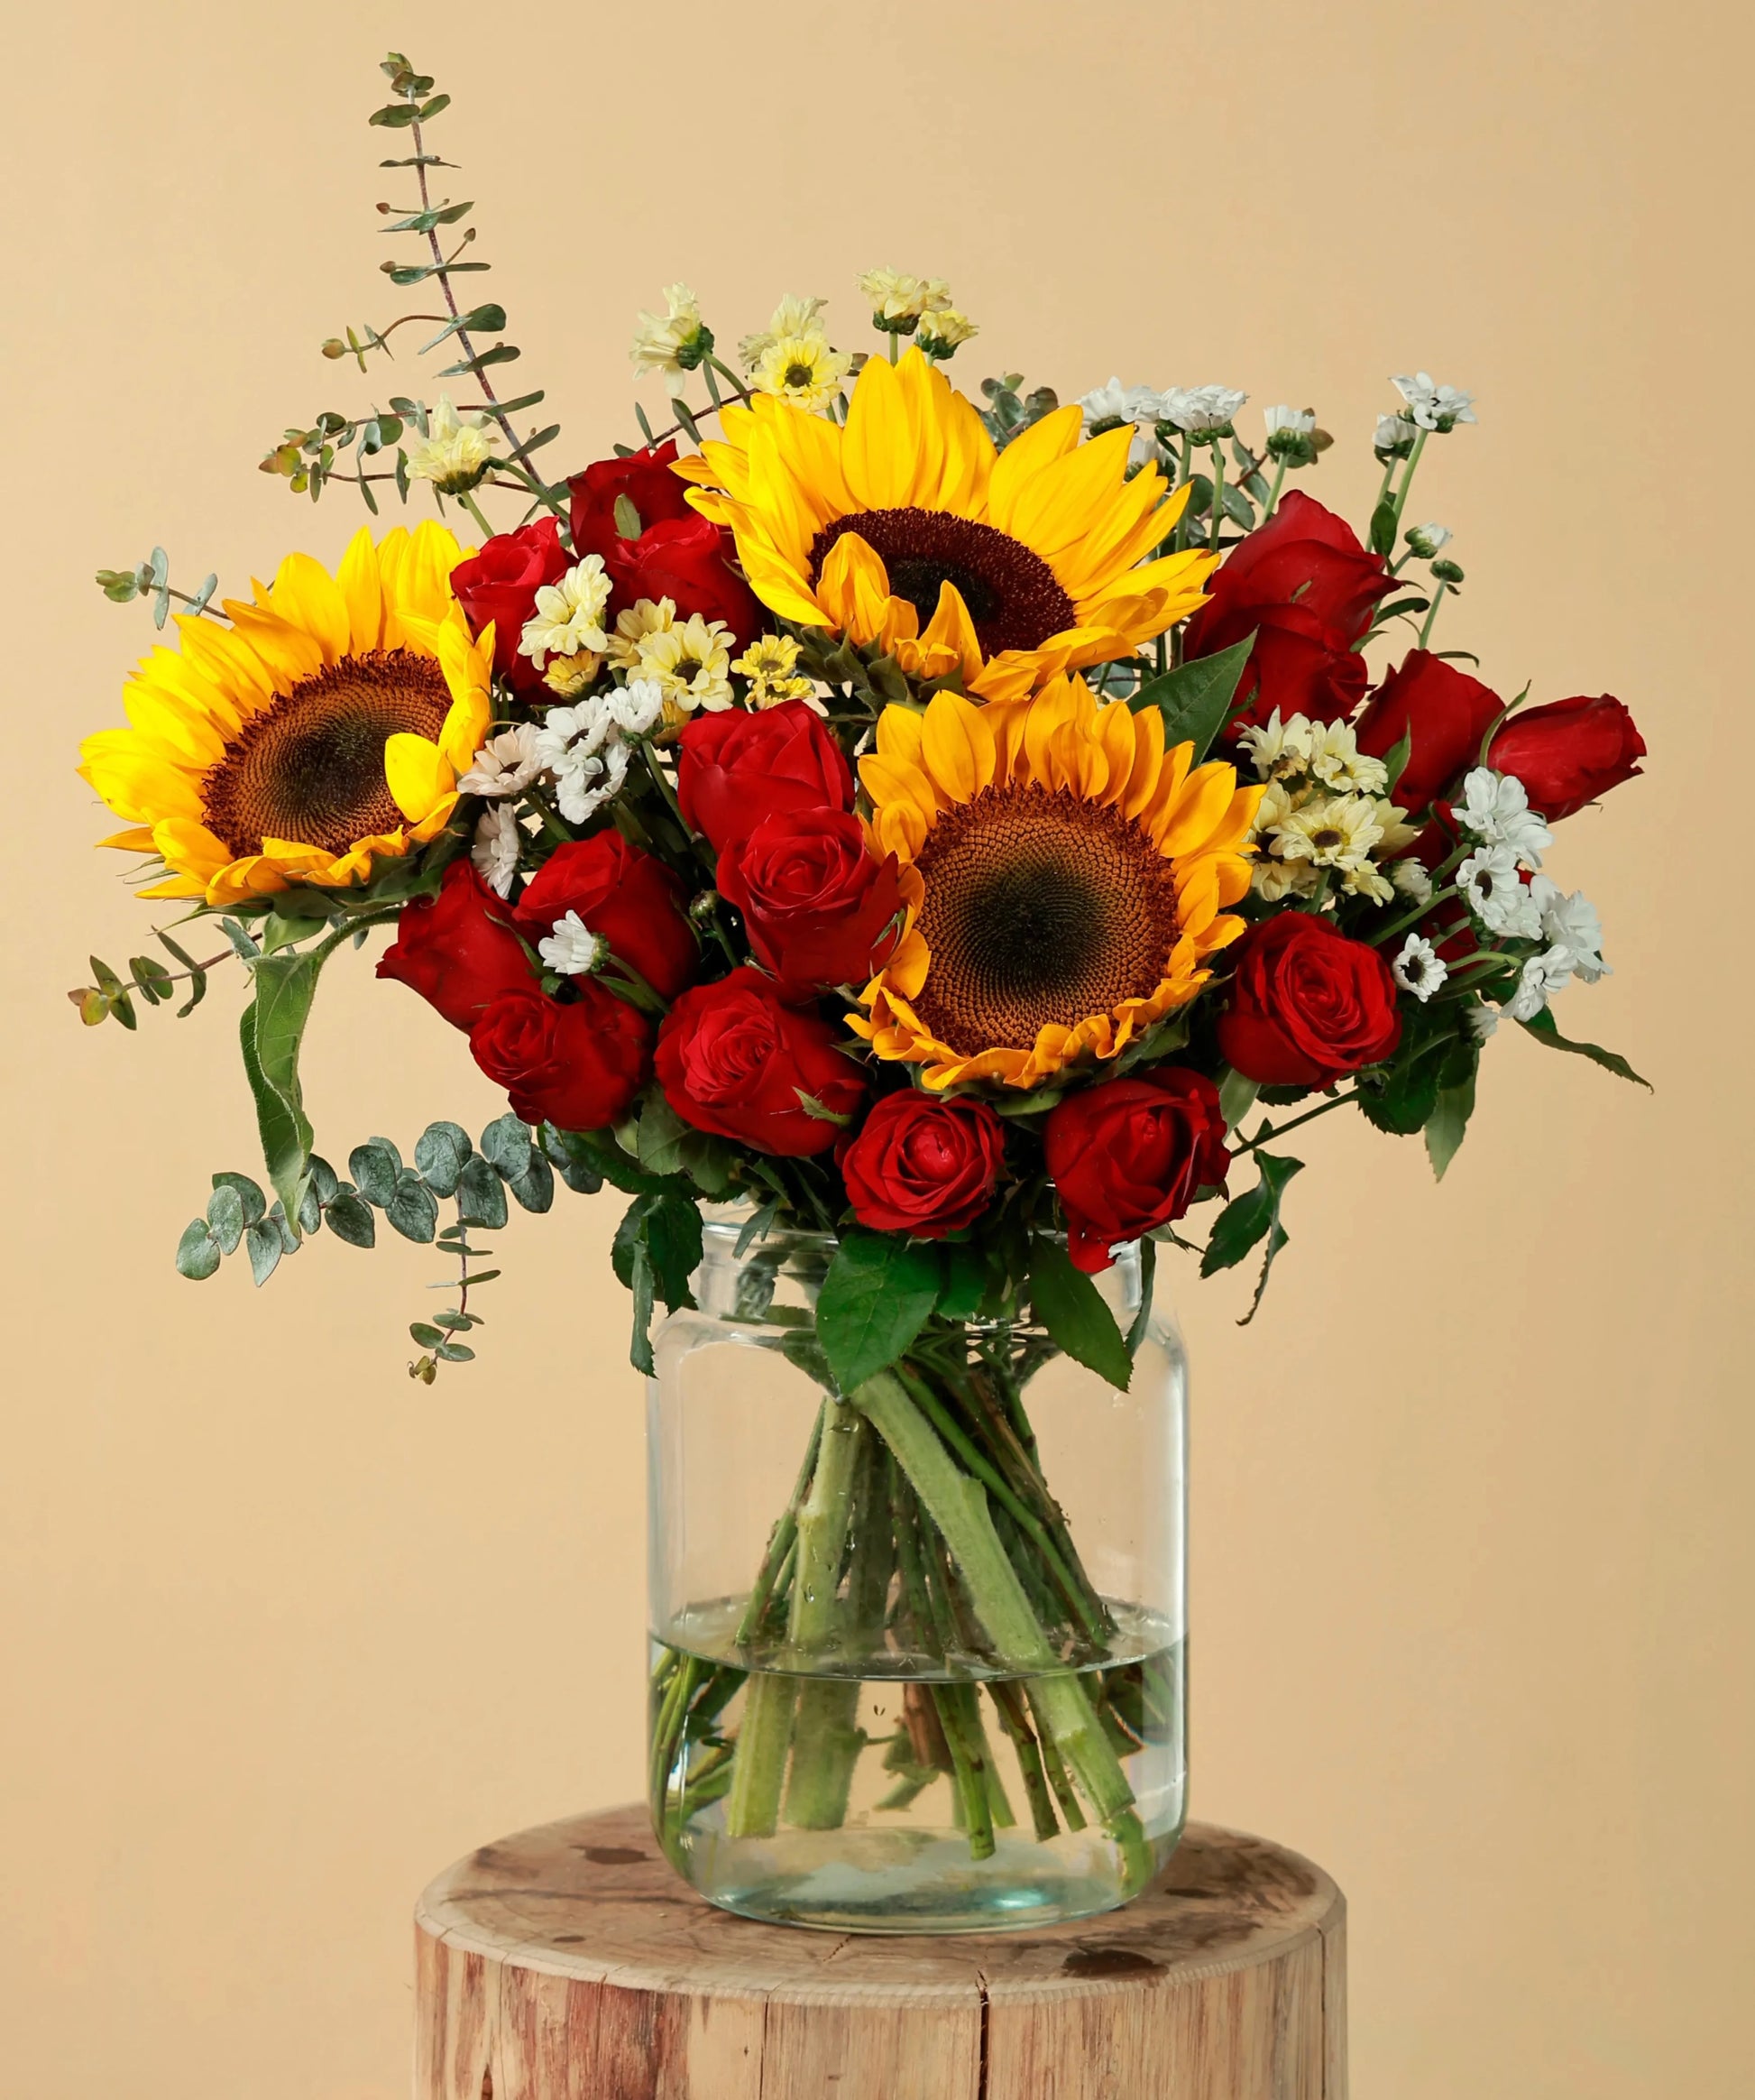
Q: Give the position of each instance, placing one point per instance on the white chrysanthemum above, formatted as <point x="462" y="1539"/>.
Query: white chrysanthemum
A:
<point x="1330" y="831"/>
<point x="1571" y="922"/>
<point x="569" y="615"/>
<point x="506" y="764"/>
<point x="456" y="451"/>
<point x="691" y="662"/>
<point x="644" y="617"/>
<point x="636" y="708"/>
<point x="894" y="296"/>
<point x="793" y="317"/>
<point x="1432" y="408"/>
<point x="1497" y="893"/>
<point x="801" y="369"/>
<point x="1543" y="976"/>
<point x="1481" y="1020"/>
<point x="585" y="780"/>
<point x="1426" y="541"/>
<point x="1300" y="421"/>
<point x="572" y="949"/>
<point x="497" y="844"/>
<point x="1413" y="880"/>
<point x="663" y="342"/>
<point x="1279" y="749"/>
<point x="1419" y="968"/>
<point x="1199" y="410"/>
<point x="1142" y="406"/>
<point x="1393" y="434"/>
<point x="1497" y="810"/>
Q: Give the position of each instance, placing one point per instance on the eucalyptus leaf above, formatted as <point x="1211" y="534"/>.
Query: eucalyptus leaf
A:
<point x="413" y="1209"/>
<point x="506" y="1147"/>
<point x="441" y="1153"/>
<point x="197" y="1251"/>
<point x="255" y="1205"/>
<point x="350" y="1219"/>
<point x="375" y="1172"/>
<point x="534" y="1187"/>
<point x="480" y="1195"/>
<point x="225" y="1218"/>
<point x="266" y="1247"/>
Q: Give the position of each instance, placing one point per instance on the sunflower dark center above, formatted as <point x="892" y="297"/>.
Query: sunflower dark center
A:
<point x="1013" y="596"/>
<point x="310" y="767"/>
<point x="1041" y="910"/>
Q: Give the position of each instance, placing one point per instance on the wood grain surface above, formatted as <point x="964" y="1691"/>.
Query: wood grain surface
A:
<point x="570" y="1963"/>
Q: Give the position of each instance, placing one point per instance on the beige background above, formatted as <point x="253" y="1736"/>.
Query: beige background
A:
<point x="284" y="1632"/>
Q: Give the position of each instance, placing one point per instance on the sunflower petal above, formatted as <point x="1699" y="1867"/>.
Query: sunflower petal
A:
<point x="417" y="773"/>
<point x="958" y="747"/>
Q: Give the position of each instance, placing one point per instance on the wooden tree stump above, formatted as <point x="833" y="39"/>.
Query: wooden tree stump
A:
<point x="570" y="1963"/>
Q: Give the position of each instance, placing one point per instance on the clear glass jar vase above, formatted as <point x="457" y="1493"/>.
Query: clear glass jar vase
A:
<point x="918" y="1656"/>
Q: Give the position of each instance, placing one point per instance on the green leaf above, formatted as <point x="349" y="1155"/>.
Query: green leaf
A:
<point x="271" y="1029"/>
<point x="350" y="1219"/>
<point x="266" y="1247"/>
<point x="1395" y="761"/>
<point x="441" y="1153"/>
<point x="1249" y="1220"/>
<point x="878" y="1295"/>
<point x="671" y="1232"/>
<point x="1072" y="1308"/>
<point x="964" y="1284"/>
<point x="1382" y="539"/>
<point x="1546" y="1030"/>
<point x="574" y="1166"/>
<point x="225" y="1218"/>
<point x="1195" y="698"/>
<point x="1237" y="1097"/>
<point x="255" y="1203"/>
<point x="639" y="1281"/>
<point x="197" y="1251"/>
<point x="1449" y="1123"/>
<point x="454" y="1352"/>
<point x="661" y="1135"/>
<point x="413" y="1209"/>
<point x="244" y="942"/>
<point x="375" y="1169"/>
<point x="480" y="1195"/>
<point x="708" y="1161"/>
<point x="427" y="1335"/>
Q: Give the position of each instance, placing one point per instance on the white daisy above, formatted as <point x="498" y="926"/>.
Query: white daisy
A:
<point x="1483" y="1021"/>
<point x="1543" y="976"/>
<point x="1496" y="809"/>
<point x="1424" y="540"/>
<point x="585" y="780"/>
<point x="1413" y="880"/>
<point x="637" y="707"/>
<point x="572" y="949"/>
<point x="1433" y="408"/>
<point x="1571" y="922"/>
<point x="1201" y="410"/>
<point x="496" y="847"/>
<point x="506" y="764"/>
<point x="1394" y="434"/>
<point x="578" y="731"/>
<point x="1498" y="895"/>
<point x="1300" y="421"/>
<point x="1419" y="968"/>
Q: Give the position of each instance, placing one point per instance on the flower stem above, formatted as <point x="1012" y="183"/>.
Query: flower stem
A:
<point x="1407" y="483"/>
<point x="1280" y="1130"/>
<point x="469" y="504"/>
<point x="1218" y="498"/>
<point x="1273" y="493"/>
<point x="1431" y="611"/>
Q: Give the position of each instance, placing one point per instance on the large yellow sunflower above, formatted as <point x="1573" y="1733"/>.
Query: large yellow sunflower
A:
<point x="907" y="528"/>
<point x="1065" y="878"/>
<point x="323" y="728"/>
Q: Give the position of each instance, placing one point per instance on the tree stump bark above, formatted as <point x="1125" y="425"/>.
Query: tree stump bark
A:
<point x="569" y="1963"/>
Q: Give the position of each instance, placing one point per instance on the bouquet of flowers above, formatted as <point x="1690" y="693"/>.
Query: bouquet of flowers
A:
<point x="966" y="831"/>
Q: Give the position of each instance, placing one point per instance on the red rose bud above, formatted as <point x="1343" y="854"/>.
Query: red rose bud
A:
<point x="733" y="769"/>
<point x="577" y="1065"/>
<point x="458" y="948"/>
<point x="1304" y="585"/>
<point x="500" y="584"/>
<point x="734" y="1059"/>
<point x="1132" y="1154"/>
<point x="1568" y="752"/>
<point x="923" y="1165"/>
<point x="819" y="907"/>
<point x="629" y="898"/>
<point x="1448" y="714"/>
<point x="649" y="482"/>
<point x="1307" y="1004"/>
<point x="684" y="560"/>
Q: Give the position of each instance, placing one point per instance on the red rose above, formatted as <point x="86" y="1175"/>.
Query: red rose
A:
<point x="733" y="769"/>
<point x="820" y="907"/>
<point x="1132" y="1154"/>
<point x="500" y="584"/>
<point x="648" y="481"/>
<point x="1449" y="713"/>
<point x="458" y="948"/>
<point x="1305" y="586"/>
<point x="683" y="560"/>
<point x="733" y="1058"/>
<point x="1569" y="752"/>
<point x="1307" y="1004"/>
<point x="923" y="1165"/>
<point x="633" y="900"/>
<point x="576" y="1065"/>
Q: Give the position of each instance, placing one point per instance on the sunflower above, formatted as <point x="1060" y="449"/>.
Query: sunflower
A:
<point x="908" y="529"/>
<point x="1064" y="875"/>
<point x="323" y="730"/>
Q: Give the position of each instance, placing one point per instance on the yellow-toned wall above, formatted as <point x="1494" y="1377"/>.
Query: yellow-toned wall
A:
<point x="284" y="1632"/>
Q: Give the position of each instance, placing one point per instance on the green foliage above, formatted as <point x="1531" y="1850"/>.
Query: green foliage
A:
<point x="1247" y="1221"/>
<point x="150" y="579"/>
<point x="1008" y="413"/>
<point x="656" y="1251"/>
<point x="879" y="1293"/>
<point x="1546" y="1030"/>
<point x="1072" y="1308"/>
<point x="1195" y="699"/>
<point x="1448" y="1124"/>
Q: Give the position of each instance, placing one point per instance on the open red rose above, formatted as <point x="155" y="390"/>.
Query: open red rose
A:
<point x="1132" y="1154"/>
<point x="923" y="1165"/>
<point x="734" y="1058"/>
<point x="1307" y="1004"/>
<point x="458" y="948"/>
<point x="576" y="1065"/>
<point x="500" y="584"/>
<point x="629" y="898"/>
<point x="648" y="481"/>
<point x="1569" y="752"/>
<point x="820" y="907"/>
<point x="1447" y="710"/>
<point x="684" y="560"/>
<point x="1304" y="585"/>
<point x="734" y="768"/>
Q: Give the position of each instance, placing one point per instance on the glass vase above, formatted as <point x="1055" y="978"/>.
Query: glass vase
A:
<point x="917" y="1655"/>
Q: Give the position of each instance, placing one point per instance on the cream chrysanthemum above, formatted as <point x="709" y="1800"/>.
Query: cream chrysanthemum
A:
<point x="1065" y="877"/>
<point x="801" y="369"/>
<point x="691" y="661"/>
<point x="634" y="626"/>
<point x="456" y="451"/>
